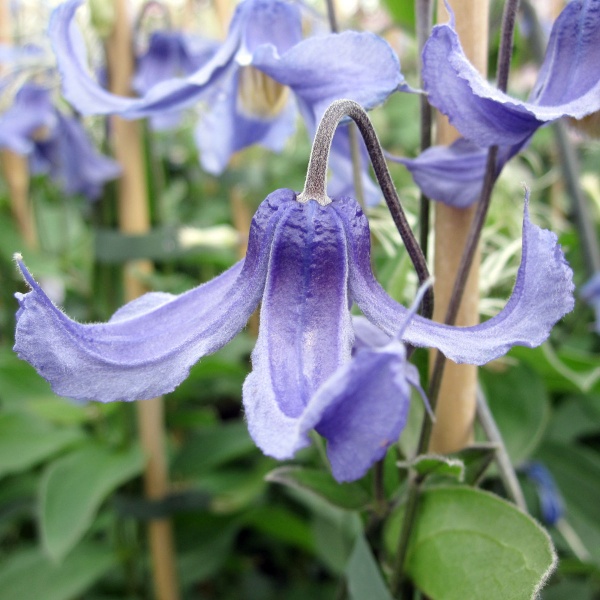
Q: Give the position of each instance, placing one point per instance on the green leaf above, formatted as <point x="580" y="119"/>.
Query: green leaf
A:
<point x="29" y="575"/>
<point x="363" y="575"/>
<point x="476" y="459"/>
<point x="467" y="543"/>
<point x="25" y="441"/>
<point x="350" y="496"/>
<point x="403" y="12"/>
<point x="519" y="402"/>
<point x="433" y="464"/>
<point x="211" y="447"/>
<point x="74" y="487"/>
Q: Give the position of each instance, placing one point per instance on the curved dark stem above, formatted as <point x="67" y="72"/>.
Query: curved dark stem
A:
<point x="424" y="17"/>
<point x="315" y="187"/>
<point x="508" y="23"/>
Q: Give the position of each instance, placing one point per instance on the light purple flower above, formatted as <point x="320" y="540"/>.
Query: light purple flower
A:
<point x="170" y="54"/>
<point x="68" y="156"/>
<point x="568" y="85"/>
<point x="30" y="113"/>
<point x="245" y="85"/>
<point x="56" y="144"/>
<point x="305" y="265"/>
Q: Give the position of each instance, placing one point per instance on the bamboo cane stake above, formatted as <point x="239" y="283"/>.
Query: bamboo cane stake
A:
<point x="15" y="167"/>
<point x="456" y="407"/>
<point x="134" y="218"/>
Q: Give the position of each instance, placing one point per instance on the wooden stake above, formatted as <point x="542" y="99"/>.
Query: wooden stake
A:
<point x="455" y="412"/>
<point x="134" y="218"/>
<point x="15" y="167"/>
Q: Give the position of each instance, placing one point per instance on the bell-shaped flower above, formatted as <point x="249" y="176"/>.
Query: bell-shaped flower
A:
<point x="568" y="85"/>
<point x="28" y="116"/>
<point x="552" y="507"/>
<point x="170" y="54"/>
<point x="56" y="144"/>
<point x="306" y="264"/>
<point x="68" y="156"/>
<point x="246" y="84"/>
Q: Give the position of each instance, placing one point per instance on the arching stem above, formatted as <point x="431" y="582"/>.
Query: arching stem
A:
<point x="315" y="187"/>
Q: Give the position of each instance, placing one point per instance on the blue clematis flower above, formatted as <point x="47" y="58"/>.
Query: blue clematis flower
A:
<point x="306" y="263"/>
<point x="246" y="84"/>
<point x="170" y="54"/>
<point x="56" y="144"/>
<point x="551" y="503"/>
<point x="590" y="292"/>
<point x="71" y="160"/>
<point x="31" y="113"/>
<point x="568" y="85"/>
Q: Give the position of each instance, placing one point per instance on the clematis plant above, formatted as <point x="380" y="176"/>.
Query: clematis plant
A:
<point x="253" y="85"/>
<point x="308" y="260"/>
<point x="55" y="143"/>
<point x="170" y="54"/>
<point x="568" y="85"/>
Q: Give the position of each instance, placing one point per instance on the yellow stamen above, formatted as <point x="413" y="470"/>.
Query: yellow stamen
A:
<point x="259" y="96"/>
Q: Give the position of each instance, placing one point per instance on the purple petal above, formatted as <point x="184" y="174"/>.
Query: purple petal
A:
<point x="357" y="66"/>
<point x="367" y="335"/>
<point x="543" y="293"/>
<point x="569" y="83"/>
<point x="72" y="161"/>
<point x="305" y="328"/>
<point x="224" y="130"/>
<point x="148" y="347"/>
<point x="170" y="54"/>
<point x="551" y="503"/>
<point x="85" y="94"/>
<point x="453" y="174"/>
<point x="31" y="111"/>
<point x="362" y="409"/>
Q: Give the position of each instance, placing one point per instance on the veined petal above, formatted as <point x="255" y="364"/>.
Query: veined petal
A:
<point x="480" y="111"/>
<point x="305" y="329"/>
<point x="85" y="94"/>
<point x="453" y="174"/>
<point x="569" y="83"/>
<point x="223" y="130"/>
<point x="357" y="66"/>
<point x="569" y="79"/>
<point x="148" y="346"/>
<point x="543" y="293"/>
<point x="362" y="409"/>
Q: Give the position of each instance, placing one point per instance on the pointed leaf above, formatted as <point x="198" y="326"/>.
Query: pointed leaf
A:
<point x="73" y="488"/>
<point x="350" y="496"/>
<point x="25" y="441"/>
<point x="431" y="464"/>
<point x="29" y="575"/>
<point x="363" y="575"/>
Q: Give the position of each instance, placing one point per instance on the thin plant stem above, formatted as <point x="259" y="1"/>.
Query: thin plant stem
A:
<point x="507" y="472"/>
<point x="424" y="17"/>
<point x="134" y="218"/>
<point x="510" y="10"/>
<point x="315" y="187"/>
